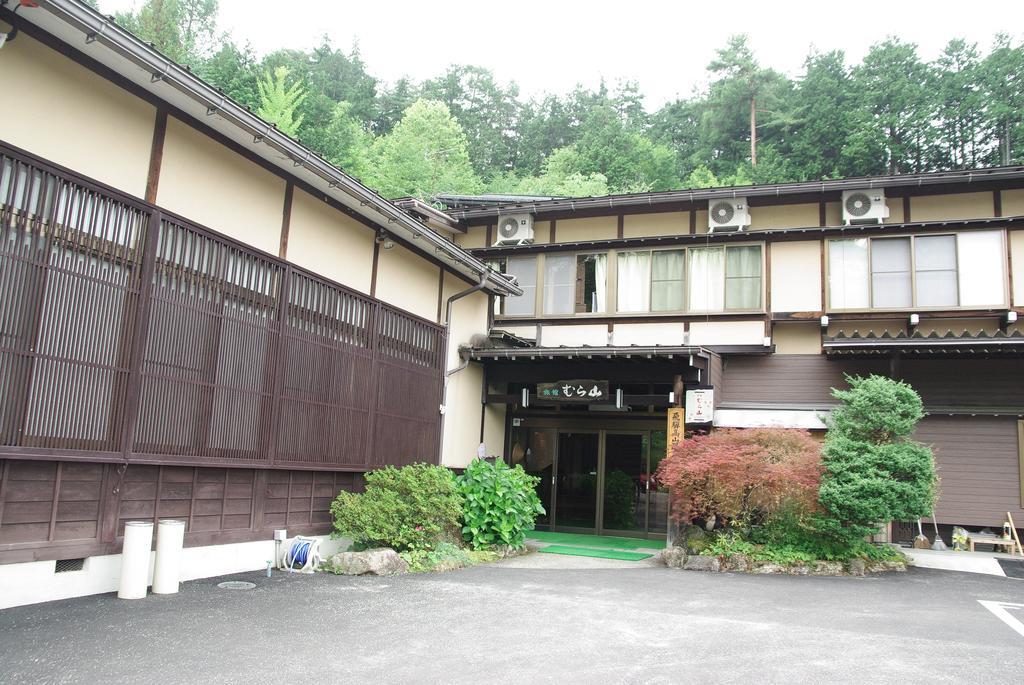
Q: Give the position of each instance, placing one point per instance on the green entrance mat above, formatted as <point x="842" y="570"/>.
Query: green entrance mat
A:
<point x="602" y="541"/>
<point x="598" y="553"/>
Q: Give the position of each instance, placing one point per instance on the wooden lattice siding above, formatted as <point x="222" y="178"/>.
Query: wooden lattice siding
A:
<point x="132" y="335"/>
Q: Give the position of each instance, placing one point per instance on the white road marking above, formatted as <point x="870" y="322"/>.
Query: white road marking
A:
<point x="999" y="609"/>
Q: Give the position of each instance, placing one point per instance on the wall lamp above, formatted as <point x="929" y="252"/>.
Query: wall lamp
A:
<point x="915" y="319"/>
<point x="824" y="321"/>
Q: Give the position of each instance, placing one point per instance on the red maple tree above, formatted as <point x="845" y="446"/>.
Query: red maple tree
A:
<point x="742" y="475"/>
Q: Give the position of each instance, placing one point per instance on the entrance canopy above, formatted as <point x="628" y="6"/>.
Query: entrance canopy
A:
<point x="529" y="365"/>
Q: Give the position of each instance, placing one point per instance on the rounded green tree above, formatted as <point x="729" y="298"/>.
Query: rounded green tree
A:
<point x="874" y="472"/>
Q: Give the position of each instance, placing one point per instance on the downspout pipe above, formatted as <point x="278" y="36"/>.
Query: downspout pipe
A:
<point x="448" y="373"/>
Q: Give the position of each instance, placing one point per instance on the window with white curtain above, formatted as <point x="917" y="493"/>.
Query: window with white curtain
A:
<point x="591" y="282"/>
<point x="525" y="271"/>
<point x="668" y="269"/>
<point x="890" y="273"/>
<point x="743" y="277"/>
<point x="935" y="271"/>
<point x="982" y="278"/>
<point x="848" y="273"/>
<point x="634" y="272"/>
<point x="707" y="279"/>
<point x="559" y="284"/>
<point x="953" y="270"/>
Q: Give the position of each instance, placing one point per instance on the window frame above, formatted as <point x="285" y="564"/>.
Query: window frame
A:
<point x="611" y="308"/>
<point x="827" y="281"/>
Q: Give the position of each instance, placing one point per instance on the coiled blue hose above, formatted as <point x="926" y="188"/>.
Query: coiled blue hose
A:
<point x="298" y="554"/>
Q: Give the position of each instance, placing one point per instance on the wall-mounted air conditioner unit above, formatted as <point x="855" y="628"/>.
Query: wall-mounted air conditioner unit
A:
<point x="728" y="215"/>
<point x="864" y="206"/>
<point x="515" y="229"/>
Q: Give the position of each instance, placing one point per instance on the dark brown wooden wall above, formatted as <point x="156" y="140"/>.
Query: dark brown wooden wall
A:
<point x="808" y="378"/>
<point x="979" y="468"/>
<point x="93" y="502"/>
<point x="792" y="379"/>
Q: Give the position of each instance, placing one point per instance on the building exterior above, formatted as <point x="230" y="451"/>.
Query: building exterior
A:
<point x="201" y="319"/>
<point x="919" y="277"/>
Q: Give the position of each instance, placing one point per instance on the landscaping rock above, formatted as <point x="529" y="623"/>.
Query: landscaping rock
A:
<point x="674" y="557"/>
<point x="856" y="567"/>
<point x="885" y="566"/>
<point x="696" y="562"/>
<point x="768" y="567"/>
<point x="736" y="562"/>
<point x="379" y="562"/>
<point x="827" y="568"/>
<point x="798" y="570"/>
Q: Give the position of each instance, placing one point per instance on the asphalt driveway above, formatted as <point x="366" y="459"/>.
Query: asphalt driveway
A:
<point x="530" y="620"/>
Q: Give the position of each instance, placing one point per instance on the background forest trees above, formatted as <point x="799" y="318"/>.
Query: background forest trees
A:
<point x="465" y="132"/>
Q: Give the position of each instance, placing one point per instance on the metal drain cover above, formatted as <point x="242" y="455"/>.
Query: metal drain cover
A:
<point x="236" y="585"/>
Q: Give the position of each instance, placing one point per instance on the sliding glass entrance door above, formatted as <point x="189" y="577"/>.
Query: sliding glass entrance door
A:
<point x="576" y="481"/>
<point x="603" y="481"/>
<point x="624" y="483"/>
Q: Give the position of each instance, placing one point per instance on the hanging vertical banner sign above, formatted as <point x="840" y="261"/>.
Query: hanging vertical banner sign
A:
<point x="700" y="406"/>
<point x="676" y="427"/>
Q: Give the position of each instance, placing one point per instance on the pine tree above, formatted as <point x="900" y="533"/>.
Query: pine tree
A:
<point x="874" y="472"/>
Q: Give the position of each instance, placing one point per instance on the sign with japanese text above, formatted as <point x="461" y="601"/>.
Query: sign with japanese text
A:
<point x="700" y="405"/>
<point x="676" y="428"/>
<point x="574" y="391"/>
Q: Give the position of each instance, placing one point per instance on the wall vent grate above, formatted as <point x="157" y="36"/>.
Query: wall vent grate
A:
<point x="68" y="565"/>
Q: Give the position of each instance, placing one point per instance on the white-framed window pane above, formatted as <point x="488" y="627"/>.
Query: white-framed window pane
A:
<point x="525" y="271"/>
<point x="935" y="271"/>
<point x="890" y="273"/>
<point x="667" y="274"/>
<point x="633" y="276"/>
<point x="592" y="271"/>
<point x="707" y="279"/>
<point x="848" y="274"/>
<point x="936" y="288"/>
<point x="981" y="259"/>
<point x="935" y="253"/>
<point x="559" y="284"/>
<point x="743" y="293"/>
<point x="743" y="277"/>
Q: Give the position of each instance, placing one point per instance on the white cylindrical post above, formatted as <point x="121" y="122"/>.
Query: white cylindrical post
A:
<point x="138" y="540"/>
<point x="170" y="537"/>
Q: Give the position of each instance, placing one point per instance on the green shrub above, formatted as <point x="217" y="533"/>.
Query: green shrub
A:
<point x="408" y="509"/>
<point x="873" y="472"/>
<point x="445" y="557"/>
<point x="500" y="504"/>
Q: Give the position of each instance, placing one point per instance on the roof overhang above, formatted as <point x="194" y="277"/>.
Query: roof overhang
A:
<point x="99" y="38"/>
<point x="631" y="203"/>
<point x="917" y="345"/>
<point x="693" y="355"/>
<point x="773" y="234"/>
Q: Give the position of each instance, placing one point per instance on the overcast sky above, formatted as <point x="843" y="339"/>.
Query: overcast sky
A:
<point x="555" y="44"/>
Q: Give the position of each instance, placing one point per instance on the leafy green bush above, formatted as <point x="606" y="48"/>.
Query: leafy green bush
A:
<point x="795" y="549"/>
<point x="873" y="472"/>
<point x="445" y="557"/>
<point x="500" y="504"/>
<point x="407" y="509"/>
